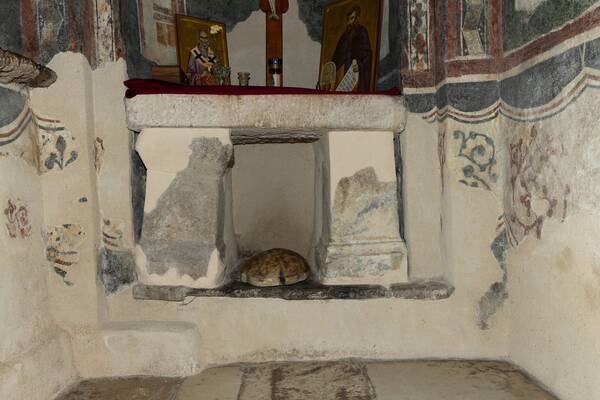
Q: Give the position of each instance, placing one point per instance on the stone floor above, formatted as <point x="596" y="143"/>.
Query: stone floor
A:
<point x="344" y="380"/>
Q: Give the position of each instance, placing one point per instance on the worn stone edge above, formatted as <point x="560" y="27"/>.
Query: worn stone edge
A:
<point x="266" y="114"/>
<point x="301" y="291"/>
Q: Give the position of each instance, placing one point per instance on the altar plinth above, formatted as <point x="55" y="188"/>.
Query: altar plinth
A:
<point x="186" y="142"/>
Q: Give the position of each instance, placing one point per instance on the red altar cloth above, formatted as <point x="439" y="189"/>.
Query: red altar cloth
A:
<point x="150" y="86"/>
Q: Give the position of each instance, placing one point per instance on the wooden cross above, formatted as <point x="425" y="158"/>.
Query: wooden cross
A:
<point x="274" y="10"/>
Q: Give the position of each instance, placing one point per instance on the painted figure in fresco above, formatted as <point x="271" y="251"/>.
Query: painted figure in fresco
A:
<point x="353" y="50"/>
<point x="201" y="62"/>
<point x="418" y="39"/>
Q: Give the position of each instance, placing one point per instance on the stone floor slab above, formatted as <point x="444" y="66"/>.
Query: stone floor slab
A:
<point x="131" y="388"/>
<point x="452" y="380"/>
<point x="212" y="384"/>
<point x="306" y="381"/>
<point x="343" y="380"/>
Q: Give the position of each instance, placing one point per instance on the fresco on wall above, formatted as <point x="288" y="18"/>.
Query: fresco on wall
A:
<point x="39" y="29"/>
<point x="142" y="32"/>
<point x="535" y="94"/>
<point x="311" y="13"/>
<point x="474" y="30"/>
<point x="51" y="21"/>
<point x="418" y="35"/>
<point x="52" y="26"/>
<point x="158" y="37"/>
<point x="229" y="12"/>
<point x="116" y="269"/>
<point x="13" y="104"/>
<point x="112" y="233"/>
<point x="536" y="192"/>
<point x="17" y="219"/>
<point x="116" y="264"/>
<point x="13" y="130"/>
<point x="55" y="145"/>
<point x="525" y="21"/>
<point x="62" y="247"/>
<point x="479" y="150"/>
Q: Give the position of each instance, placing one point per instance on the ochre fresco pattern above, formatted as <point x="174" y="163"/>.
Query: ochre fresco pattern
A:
<point x="62" y="247"/>
<point x="17" y="219"/>
<point x="535" y="191"/>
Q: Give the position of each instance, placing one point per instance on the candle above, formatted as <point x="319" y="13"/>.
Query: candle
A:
<point x="275" y="68"/>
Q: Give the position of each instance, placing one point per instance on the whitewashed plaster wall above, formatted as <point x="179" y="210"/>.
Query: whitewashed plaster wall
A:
<point x="71" y="100"/>
<point x="117" y="335"/>
<point x="258" y="195"/>
<point x="422" y="189"/>
<point x="246" y="45"/>
<point x="33" y="347"/>
<point x="554" y="279"/>
<point x="254" y="330"/>
<point x="273" y="197"/>
<point x="113" y="144"/>
<point x="471" y="207"/>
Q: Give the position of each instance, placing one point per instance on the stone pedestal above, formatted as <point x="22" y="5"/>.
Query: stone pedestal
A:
<point x="360" y="242"/>
<point x="187" y="236"/>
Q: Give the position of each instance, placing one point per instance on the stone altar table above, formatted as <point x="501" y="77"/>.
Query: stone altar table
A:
<point x="187" y="143"/>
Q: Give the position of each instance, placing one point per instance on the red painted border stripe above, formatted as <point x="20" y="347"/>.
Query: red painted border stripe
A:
<point x="29" y="36"/>
<point x="500" y="62"/>
<point x="24" y="120"/>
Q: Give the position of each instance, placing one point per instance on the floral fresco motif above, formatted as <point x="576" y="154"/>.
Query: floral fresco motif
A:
<point x="17" y="219"/>
<point x="480" y="151"/>
<point x="536" y="191"/>
<point x="62" y="247"/>
<point x="55" y="145"/>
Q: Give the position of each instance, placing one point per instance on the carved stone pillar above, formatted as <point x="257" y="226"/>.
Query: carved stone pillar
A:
<point x="187" y="234"/>
<point x="360" y="242"/>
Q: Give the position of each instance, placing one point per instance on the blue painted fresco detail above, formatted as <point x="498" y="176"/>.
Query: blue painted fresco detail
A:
<point x="523" y="26"/>
<point x="229" y="12"/>
<point x="116" y="269"/>
<point x="533" y="87"/>
<point x="59" y="158"/>
<point x="10" y="26"/>
<point x="52" y="28"/>
<point x="480" y="151"/>
<point x="12" y="104"/>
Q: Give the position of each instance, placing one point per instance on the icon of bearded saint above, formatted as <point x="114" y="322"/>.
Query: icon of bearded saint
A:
<point x="353" y="52"/>
<point x="201" y="62"/>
